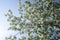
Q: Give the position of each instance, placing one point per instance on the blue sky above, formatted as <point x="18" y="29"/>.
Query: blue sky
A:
<point x="5" y="5"/>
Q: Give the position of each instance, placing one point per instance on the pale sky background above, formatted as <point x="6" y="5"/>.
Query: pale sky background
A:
<point x="5" y="5"/>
